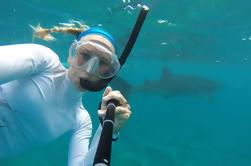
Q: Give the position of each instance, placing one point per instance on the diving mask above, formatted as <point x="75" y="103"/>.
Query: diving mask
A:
<point x="94" y="58"/>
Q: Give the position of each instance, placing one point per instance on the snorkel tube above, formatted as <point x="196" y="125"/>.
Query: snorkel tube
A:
<point x="103" y="153"/>
<point x="101" y="84"/>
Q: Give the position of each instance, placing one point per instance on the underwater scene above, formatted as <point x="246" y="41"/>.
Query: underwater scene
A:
<point x="187" y="79"/>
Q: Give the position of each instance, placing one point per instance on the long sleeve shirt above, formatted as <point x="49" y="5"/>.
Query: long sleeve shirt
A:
<point x="39" y="103"/>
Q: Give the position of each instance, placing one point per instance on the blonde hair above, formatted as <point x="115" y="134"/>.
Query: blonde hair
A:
<point x="73" y="28"/>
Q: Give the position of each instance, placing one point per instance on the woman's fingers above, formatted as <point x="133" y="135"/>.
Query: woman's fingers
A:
<point x="117" y="96"/>
<point x="119" y="112"/>
<point x="107" y="91"/>
<point x="101" y="113"/>
<point x="122" y="110"/>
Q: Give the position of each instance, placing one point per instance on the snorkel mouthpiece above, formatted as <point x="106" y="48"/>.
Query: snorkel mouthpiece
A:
<point x="94" y="87"/>
<point x="101" y="84"/>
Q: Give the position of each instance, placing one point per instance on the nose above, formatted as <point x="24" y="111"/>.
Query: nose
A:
<point x="92" y="65"/>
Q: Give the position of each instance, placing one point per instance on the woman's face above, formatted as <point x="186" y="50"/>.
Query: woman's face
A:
<point x="102" y="58"/>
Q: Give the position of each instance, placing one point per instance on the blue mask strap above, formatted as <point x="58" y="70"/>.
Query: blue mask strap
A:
<point x="98" y="31"/>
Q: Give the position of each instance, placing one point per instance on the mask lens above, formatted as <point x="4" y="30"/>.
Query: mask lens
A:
<point x="83" y="58"/>
<point x="94" y="58"/>
<point x="109" y="70"/>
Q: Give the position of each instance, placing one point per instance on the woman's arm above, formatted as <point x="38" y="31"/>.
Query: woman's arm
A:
<point x="22" y="60"/>
<point x="80" y="154"/>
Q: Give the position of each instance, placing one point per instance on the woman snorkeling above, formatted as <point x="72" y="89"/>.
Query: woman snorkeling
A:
<point x="40" y="99"/>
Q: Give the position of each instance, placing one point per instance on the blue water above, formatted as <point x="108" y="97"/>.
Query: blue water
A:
<point x="207" y="40"/>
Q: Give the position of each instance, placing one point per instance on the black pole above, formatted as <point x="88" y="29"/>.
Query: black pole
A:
<point x="134" y="35"/>
<point x="103" y="154"/>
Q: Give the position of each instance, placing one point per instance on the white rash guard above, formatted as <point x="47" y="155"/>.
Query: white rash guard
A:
<point x="38" y="103"/>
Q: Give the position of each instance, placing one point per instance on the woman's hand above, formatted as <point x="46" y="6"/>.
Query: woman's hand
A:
<point x="122" y="112"/>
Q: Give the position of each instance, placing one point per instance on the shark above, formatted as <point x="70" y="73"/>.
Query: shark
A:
<point x="170" y="85"/>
